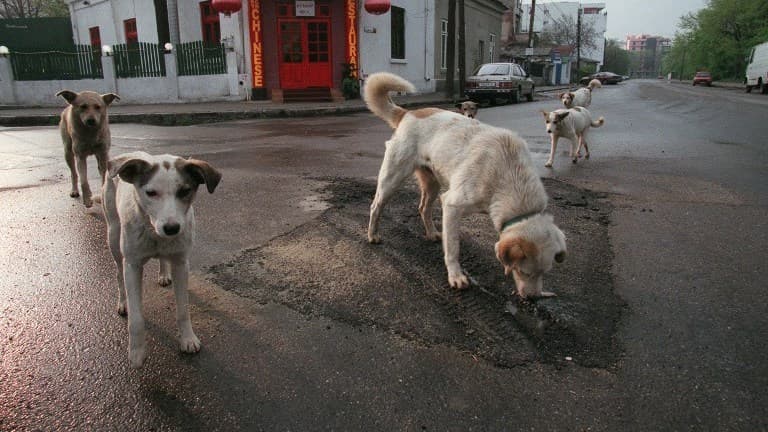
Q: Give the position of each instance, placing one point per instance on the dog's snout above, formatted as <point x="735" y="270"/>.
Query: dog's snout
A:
<point x="90" y="122"/>
<point x="171" y="229"/>
<point x="549" y="131"/>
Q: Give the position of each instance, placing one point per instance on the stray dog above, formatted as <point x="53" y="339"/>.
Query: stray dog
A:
<point x="84" y="128"/>
<point x="581" y="97"/>
<point x="148" y="206"/>
<point x="484" y="169"/>
<point x="572" y="124"/>
<point x="468" y="108"/>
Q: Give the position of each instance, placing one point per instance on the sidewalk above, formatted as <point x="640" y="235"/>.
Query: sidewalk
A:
<point x="194" y="113"/>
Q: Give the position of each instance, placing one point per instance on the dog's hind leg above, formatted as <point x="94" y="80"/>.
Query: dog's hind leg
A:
<point x="189" y="342"/>
<point x="430" y="189"/>
<point x="113" y="240"/>
<point x="394" y="170"/>
<point x="583" y="143"/>
<point x="82" y="171"/>
<point x="164" y="278"/>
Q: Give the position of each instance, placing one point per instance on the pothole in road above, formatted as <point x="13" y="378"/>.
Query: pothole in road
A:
<point x="327" y="267"/>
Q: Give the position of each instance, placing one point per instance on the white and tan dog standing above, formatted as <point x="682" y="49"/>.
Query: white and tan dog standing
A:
<point x="581" y="97"/>
<point x="148" y="207"/>
<point x="468" y="108"/>
<point x="482" y="169"/>
<point x="84" y="128"/>
<point x="572" y="124"/>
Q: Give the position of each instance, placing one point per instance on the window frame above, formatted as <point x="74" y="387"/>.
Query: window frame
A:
<point x="131" y="36"/>
<point x="210" y="24"/>
<point x="397" y="47"/>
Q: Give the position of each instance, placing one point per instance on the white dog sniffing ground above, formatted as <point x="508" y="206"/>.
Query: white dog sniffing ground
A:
<point x="572" y="124"/>
<point x="148" y="207"/>
<point x="482" y="169"/>
<point x="581" y="97"/>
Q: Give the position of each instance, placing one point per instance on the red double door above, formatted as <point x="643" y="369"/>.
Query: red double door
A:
<point x="305" y="52"/>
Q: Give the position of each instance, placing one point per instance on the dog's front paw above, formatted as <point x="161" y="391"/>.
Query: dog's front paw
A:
<point x="435" y="236"/>
<point x="374" y="238"/>
<point x="458" y="280"/>
<point x="574" y="160"/>
<point x="190" y="344"/>
<point x="137" y="356"/>
<point x="586" y="156"/>
<point x="74" y="194"/>
<point x="548" y="164"/>
<point x="87" y="202"/>
<point x="164" y="280"/>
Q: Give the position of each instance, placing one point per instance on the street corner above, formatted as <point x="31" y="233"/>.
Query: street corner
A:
<point x="327" y="268"/>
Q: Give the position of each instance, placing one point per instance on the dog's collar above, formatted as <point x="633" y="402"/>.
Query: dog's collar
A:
<point x="518" y="219"/>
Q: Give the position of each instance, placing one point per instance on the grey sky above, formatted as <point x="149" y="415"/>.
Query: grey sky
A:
<point x="657" y="17"/>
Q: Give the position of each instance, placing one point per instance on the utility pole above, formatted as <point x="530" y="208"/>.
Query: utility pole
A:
<point x="462" y="50"/>
<point x="450" y="50"/>
<point x="530" y="26"/>
<point x="578" y="43"/>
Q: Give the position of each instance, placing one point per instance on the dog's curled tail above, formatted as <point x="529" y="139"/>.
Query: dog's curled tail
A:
<point x="376" y="95"/>
<point x="599" y="122"/>
<point x="595" y="83"/>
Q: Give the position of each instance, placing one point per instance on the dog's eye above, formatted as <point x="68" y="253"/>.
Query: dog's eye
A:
<point x="98" y="108"/>
<point x="151" y="193"/>
<point x="183" y="192"/>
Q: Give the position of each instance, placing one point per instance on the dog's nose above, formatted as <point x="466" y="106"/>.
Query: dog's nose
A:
<point x="549" y="131"/>
<point x="91" y="122"/>
<point x="171" y="229"/>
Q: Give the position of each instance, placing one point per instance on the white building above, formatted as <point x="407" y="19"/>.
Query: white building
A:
<point x="548" y="14"/>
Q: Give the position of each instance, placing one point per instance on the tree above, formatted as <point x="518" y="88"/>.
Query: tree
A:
<point x="563" y="32"/>
<point x="617" y="59"/>
<point x="718" y="38"/>
<point x="33" y="8"/>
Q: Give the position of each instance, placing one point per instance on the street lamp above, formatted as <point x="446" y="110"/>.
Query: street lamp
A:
<point x="168" y="47"/>
<point x="4" y="52"/>
<point x="106" y="50"/>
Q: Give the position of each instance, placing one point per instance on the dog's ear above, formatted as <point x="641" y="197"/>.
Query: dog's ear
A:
<point x="511" y="250"/>
<point x="69" y="95"/>
<point x="562" y="115"/>
<point x="202" y="172"/>
<point x="109" y="97"/>
<point x="546" y="114"/>
<point x="560" y="96"/>
<point x="129" y="168"/>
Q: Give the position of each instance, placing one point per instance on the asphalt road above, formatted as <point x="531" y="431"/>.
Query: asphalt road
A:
<point x="659" y="323"/>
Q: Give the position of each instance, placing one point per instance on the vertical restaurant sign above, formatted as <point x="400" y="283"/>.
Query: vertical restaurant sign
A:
<point x="257" y="58"/>
<point x="351" y="21"/>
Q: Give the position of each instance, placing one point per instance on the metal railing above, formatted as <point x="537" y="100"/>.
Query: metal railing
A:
<point x="201" y="58"/>
<point x="84" y="62"/>
<point x="137" y="60"/>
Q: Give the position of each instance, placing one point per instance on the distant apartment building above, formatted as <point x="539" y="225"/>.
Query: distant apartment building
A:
<point x="547" y="15"/>
<point x="648" y="52"/>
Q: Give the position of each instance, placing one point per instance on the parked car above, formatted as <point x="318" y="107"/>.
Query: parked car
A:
<point x="702" y="77"/>
<point x="603" y="77"/>
<point x="757" y="69"/>
<point x="499" y="80"/>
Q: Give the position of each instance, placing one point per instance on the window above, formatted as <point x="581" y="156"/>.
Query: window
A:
<point x="443" y="44"/>
<point x="210" y="22"/>
<point x="480" y="53"/>
<point x="95" y="37"/>
<point x="398" y="33"/>
<point x="491" y="47"/>
<point x="131" y="34"/>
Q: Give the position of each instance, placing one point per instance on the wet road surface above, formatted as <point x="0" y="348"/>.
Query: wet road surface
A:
<point x="661" y="308"/>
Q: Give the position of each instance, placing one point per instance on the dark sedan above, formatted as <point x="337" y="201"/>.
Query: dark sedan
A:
<point x="603" y="77"/>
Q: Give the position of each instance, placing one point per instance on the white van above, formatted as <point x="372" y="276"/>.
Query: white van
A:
<point x="757" y="68"/>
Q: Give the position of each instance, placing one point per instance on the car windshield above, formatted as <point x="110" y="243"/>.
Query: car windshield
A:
<point x="493" y="69"/>
<point x="702" y="74"/>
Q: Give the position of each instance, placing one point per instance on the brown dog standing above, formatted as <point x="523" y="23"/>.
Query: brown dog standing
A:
<point x="84" y="128"/>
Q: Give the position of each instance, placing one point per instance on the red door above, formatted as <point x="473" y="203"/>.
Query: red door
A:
<point x="305" y="52"/>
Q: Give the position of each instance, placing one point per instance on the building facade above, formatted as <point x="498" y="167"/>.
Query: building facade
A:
<point x="647" y="52"/>
<point x="547" y="15"/>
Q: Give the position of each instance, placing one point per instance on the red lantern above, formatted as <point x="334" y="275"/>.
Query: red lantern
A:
<point x="226" y="7"/>
<point x="377" y="7"/>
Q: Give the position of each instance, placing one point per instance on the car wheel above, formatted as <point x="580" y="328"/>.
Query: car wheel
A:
<point x="763" y="88"/>
<point x="694" y="84"/>
<point x="748" y="89"/>
<point x="517" y="96"/>
<point x="530" y="95"/>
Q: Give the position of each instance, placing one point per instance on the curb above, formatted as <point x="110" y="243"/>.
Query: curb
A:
<point x="191" y="118"/>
